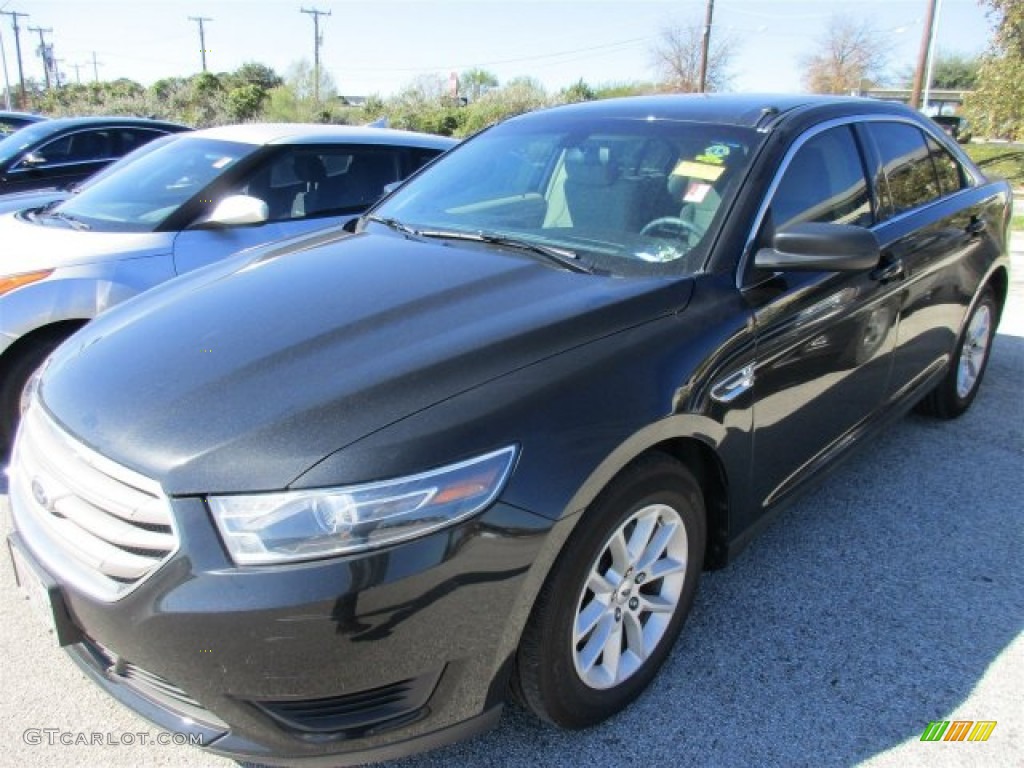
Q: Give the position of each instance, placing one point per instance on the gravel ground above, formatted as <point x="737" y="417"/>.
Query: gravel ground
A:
<point x="891" y="596"/>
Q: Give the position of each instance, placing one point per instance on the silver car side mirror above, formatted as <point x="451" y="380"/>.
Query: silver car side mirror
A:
<point x="238" y="209"/>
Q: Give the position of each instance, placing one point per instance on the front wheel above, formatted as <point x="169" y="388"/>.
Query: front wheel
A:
<point x="957" y="390"/>
<point x="617" y="597"/>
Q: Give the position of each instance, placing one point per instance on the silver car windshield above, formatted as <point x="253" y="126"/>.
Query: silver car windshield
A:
<point x="140" y="196"/>
<point x="623" y="196"/>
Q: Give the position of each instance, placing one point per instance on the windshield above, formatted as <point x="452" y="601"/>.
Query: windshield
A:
<point x="626" y="196"/>
<point x="14" y="144"/>
<point x="142" y="193"/>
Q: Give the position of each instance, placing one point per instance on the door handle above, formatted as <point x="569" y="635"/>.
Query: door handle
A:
<point x="977" y="226"/>
<point x="894" y="270"/>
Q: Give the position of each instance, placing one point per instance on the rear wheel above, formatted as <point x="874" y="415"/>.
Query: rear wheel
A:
<point x="617" y="597"/>
<point x="955" y="393"/>
<point x="15" y="376"/>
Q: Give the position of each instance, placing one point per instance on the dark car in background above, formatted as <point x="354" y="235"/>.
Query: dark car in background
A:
<point x="956" y="127"/>
<point x="337" y="499"/>
<point x="66" y="150"/>
<point x="12" y="121"/>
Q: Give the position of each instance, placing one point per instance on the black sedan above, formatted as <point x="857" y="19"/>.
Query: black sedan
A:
<point x="339" y="498"/>
<point x="60" y="152"/>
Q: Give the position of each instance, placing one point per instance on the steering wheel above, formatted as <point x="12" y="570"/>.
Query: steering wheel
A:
<point x="672" y="226"/>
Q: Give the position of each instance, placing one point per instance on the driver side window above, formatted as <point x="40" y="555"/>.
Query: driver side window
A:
<point x="824" y="182"/>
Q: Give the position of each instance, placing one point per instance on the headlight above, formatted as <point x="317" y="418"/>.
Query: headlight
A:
<point x="305" y="525"/>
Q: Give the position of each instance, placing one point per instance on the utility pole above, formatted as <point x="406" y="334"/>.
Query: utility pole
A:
<point x="922" y="56"/>
<point x="706" y="46"/>
<point x="930" y="69"/>
<point x="78" y="73"/>
<point x="202" y="35"/>
<point x="7" y="82"/>
<point x="43" y="52"/>
<point x="317" y="42"/>
<point x="17" y="47"/>
<point x="96" y="68"/>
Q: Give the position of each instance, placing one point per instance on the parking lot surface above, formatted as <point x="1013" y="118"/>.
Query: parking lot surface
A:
<point x="891" y="596"/>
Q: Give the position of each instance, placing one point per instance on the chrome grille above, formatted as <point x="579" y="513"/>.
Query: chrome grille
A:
<point x="96" y="524"/>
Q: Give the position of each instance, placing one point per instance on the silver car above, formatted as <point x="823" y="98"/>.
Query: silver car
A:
<point x="177" y="207"/>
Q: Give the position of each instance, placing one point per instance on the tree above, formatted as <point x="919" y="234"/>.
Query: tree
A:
<point x="254" y="73"/>
<point x="852" y="54"/>
<point x="997" y="105"/>
<point x="474" y="83"/>
<point x="955" y="71"/>
<point x="677" y="54"/>
<point x="578" y="91"/>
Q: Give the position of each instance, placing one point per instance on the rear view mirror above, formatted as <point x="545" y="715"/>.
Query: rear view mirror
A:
<point x="236" y="210"/>
<point x="816" y="247"/>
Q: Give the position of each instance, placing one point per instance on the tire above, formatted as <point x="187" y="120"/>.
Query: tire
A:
<point x="15" y="376"/>
<point x="575" y="680"/>
<point x="957" y="390"/>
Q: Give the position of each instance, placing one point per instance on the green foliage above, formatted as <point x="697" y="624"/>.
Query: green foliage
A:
<point x="999" y="160"/>
<point x="997" y="105"/>
<point x="955" y="71"/>
<point x="578" y="91"/>
<point x="245" y="102"/>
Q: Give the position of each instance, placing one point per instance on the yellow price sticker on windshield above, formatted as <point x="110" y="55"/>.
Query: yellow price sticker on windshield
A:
<point x="694" y="170"/>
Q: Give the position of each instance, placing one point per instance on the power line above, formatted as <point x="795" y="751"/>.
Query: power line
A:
<point x="202" y="35"/>
<point x="317" y="42"/>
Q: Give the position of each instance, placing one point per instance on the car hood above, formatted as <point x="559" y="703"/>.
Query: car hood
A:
<point x="20" y="201"/>
<point x="28" y="246"/>
<point x="241" y="381"/>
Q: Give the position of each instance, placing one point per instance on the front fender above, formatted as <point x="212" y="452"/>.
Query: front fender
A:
<point x="77" y="293"/>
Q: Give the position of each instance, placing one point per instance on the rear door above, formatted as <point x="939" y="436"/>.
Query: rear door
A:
<point x="935" y="228"/>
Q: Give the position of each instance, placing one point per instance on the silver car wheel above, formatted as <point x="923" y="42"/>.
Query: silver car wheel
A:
<point x="631" y="594"/>
<point x="975" y="350"/>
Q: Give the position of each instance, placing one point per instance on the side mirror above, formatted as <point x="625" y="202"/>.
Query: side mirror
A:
<point x="236" y="210"/>
<point x="33" y="160"/>
<point x="818" y="247"/>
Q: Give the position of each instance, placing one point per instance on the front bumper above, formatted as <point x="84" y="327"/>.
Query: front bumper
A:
<point x="336" y="661"/>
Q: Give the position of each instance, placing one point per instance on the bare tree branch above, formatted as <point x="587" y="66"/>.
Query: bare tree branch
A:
<point x="851" y="54"/>
<point x="676" y="58"/>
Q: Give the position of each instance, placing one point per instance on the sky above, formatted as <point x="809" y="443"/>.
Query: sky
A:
<point x="381" y="46"/>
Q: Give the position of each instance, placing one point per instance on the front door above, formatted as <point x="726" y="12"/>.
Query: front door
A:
<point x="824" y="339"/>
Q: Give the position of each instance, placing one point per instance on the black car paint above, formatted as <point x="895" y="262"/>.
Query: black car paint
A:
<point x="437" y="352"/>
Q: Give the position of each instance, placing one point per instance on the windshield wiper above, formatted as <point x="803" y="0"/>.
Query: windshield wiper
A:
<point x="394" y="224"/>
<point x="563" y="257"/>
<point x="67" y="218"/>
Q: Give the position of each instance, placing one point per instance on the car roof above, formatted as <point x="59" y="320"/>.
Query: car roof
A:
<point x="27" y="116"/>
<point x="312" y="133"/>
<point x="62" y="123"/>
<point x="745" y="110"/>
